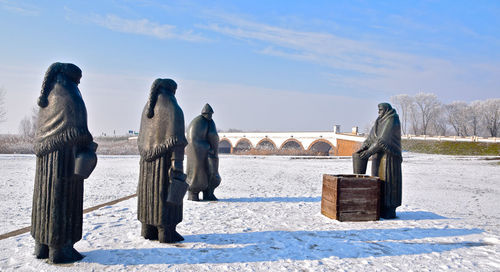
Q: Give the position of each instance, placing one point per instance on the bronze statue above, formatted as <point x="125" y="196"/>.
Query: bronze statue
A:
<point x="203" y="156"/>
<point x="162" y="183"/>
<point x="65" y="156"/>
<point x="384" y="146"/>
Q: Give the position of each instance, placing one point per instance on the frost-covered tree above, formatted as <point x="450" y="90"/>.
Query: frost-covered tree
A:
<point x="403" y="103"/>
<point x="27" y="126"/>
<point x="459" y="117"/>
<point x="475" y="117"/>
<point x="439" y="125"/>
<point x="414" y="119"/>
<point x="491" y="116"/>
<point x="427" y="106"/>
<point x="3" y="111"/>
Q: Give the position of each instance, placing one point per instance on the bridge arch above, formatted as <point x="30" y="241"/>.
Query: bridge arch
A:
<point x="242" y="144"/>
<point x="225" y="145"/>
<point x="322" y="146"/>
<point x="266" y="144"/>
<point x="292" y="144"/>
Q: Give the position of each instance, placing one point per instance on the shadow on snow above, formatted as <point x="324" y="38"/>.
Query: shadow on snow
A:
<point x="272" y="199"/>
<point x="404" y="215"/>
<point x="417" y="215"/>
<point x="287" y="245"/>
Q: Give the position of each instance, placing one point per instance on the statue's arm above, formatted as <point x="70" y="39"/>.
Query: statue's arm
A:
<point x="176" y="170"/>
<point x="364" y="146"/>
<point x="213" y="140"/>
<point x="370" y="150"/>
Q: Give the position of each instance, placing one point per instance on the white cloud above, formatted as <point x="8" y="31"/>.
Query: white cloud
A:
<point x="363" y="64"/>
<point x="20" y="8"/>
<point x="325" y="48"/>
<point x="145" y="27"/>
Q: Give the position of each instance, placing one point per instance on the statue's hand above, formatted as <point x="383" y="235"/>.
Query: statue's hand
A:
<point x="372" y="149"/>
<point x="177" y="174"/>
<point x="363" y="148"/>
<point x="364" y="154"/>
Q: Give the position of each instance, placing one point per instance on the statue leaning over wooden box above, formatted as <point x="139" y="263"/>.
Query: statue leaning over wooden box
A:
<point x="203" y="156"/>
<point x="162" y="184"/>
<point x="384" y="146"/>
<point x="65" y="156"/>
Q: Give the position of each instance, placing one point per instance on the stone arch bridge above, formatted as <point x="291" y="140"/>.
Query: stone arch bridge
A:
<point x="321" y="143"/>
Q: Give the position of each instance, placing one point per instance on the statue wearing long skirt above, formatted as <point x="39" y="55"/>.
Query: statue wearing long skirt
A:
<point x="162" y="183"/>
<point x="384" y="146"/>
<point x="65" y="156"/>
<point x="203" y="156"/>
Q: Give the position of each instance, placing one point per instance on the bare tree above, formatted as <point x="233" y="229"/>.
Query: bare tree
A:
<point x="425" y="114"/>
<point x="414" y="118"/>
<point x="427" y="106"/>
<point x="459" y="117"/>
<point x="403" y="104"/>
<point x="3" y="111"/>
<point x="27" y="126"/>
<point x="439" y="125"/>
<point x="475" y="117"/>
<point x="491" y="115"/>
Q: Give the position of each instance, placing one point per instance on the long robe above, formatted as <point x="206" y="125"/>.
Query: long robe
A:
<point x="58" y="194"/>
<point x="161" y="139"/>
<point x="153" y="208"/>
<point x="203" y="142"/>
<point x="386" y="163"/>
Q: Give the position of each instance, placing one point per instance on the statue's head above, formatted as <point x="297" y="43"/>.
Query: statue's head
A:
<point x="383" y="108"/>
<point x="207" y="111"/>
<point x="166" y="85"/>
<point x="68" y="71"/>
<point x="72" y="72"/>
<point x="58" y="72"/>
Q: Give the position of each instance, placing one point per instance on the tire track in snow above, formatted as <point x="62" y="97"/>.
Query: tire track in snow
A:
<point x="91" y="209"/>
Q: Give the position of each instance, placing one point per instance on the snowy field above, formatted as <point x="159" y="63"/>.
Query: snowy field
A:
<point x="268" y="219"/>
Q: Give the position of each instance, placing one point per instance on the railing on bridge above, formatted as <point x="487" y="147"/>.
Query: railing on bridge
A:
<point x="290" y="143"/>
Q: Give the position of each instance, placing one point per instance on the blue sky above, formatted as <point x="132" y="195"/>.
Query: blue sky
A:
<point x="262" y="65"/>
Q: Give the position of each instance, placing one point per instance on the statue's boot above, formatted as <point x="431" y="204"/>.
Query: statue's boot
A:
<point x="76" y="255"/>
<point x="193" y="196"/>
<point x="41" y="250"/>
<point x="149" y="232"/>
<point x="168" y="234"/>
<point x="208" y="195"/>
<point x="64" y="254"/>
<point x="176" y="237"/>
<point x="388" y="212"/>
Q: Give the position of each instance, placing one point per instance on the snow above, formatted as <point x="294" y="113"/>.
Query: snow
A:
<point x="268" y="219"/>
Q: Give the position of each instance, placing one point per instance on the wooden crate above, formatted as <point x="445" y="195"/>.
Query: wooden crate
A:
<point x="351" y="197"/>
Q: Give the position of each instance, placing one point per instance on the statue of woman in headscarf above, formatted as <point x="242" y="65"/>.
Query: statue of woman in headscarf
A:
<point x="384" y="146"/>
<point x="65" y="156"/>
<point x="162" y="183"/>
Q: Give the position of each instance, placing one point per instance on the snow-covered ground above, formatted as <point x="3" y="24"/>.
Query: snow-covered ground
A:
<point x="268" y="219"/>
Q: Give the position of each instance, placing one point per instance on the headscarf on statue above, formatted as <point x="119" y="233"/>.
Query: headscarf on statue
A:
<point x="387" y="131"/>
<point x="162" y="123"/>
<point x="62" y="118"/>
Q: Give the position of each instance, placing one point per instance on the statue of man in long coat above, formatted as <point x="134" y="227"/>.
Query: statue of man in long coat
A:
<point x="384" y="146"/>
<point x="203" y="156"/>
<point x="65" y="156"/>
<point x="162" y="183"/>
